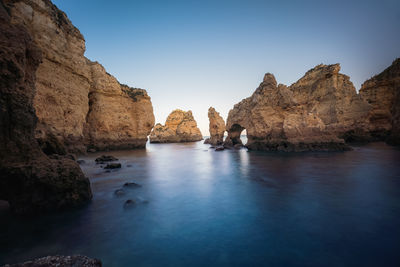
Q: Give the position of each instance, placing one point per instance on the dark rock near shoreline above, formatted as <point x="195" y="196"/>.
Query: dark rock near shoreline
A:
<point x="119" y="192"/>
<point x="112" y="166"/>
<point x="219" y="148"/>
<point x="131" y="184"/>
<point x="58" y="261"/>
<point x="105" y="158"/>
<point x="29" y="180"/>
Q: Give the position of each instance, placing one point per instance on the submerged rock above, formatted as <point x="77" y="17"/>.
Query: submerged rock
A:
<point x="105" y="158"/>
<point x="119" y="192"/>
<point x="180" y="126"/>
<point x="129" y="203"/>
<point x="65" y="261"/>
<point x="216" y="127"/>
<point x="219" y="148"/>
<point x="81" y="161"/>
<point x="112" y="166"/>
<point x="131" y="184"/>
<point x="30" y="181"/>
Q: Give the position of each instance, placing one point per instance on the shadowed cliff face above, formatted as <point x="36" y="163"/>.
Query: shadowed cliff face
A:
<point x="29" y="180"/>
<point x="383" y="93"/>
<point x="78" y="104"/>
<point x="180" y="126"/>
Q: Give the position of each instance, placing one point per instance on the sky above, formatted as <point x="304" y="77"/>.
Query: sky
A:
<point x="195" y="54"/>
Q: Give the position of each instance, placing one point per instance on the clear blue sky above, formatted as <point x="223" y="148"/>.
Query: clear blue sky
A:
<point x="196" y="54"/>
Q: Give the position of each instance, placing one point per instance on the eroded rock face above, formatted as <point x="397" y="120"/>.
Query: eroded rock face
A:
<point x="383" y="93"/>
<point x="29" y="180"/>
<point x="180" y="126"/>
<point x="309" y="115"/>
<point x="217" y="127"/>
<point x="77" y="103"/>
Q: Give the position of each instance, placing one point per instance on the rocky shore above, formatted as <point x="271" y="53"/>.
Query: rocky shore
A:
<point x="65" y="261"/>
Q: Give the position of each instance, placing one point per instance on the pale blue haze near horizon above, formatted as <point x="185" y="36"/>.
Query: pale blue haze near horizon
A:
<point x="196" y="54"/>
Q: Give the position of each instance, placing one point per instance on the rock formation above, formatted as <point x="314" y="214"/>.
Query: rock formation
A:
<point x="180" y="126"/>
<point x="65" y="261"/>
<point x="275" y="121"/>
<point x="29" y="180"/>
<point x="79" y="105"/>
<point x="216" y="127"/>
<point x="383" y="93"/>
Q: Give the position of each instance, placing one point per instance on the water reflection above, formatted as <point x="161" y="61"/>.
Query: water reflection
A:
<point x="231" y="207"/>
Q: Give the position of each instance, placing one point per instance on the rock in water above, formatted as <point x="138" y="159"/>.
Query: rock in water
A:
<point x="303" y="117"/>
<point x="29" y="180"/>
<point x="79" y="106"/>
<point x="105" y="158"/>
<point x="216" y="127"/>
<point x="112" y="166"/>
<point x="65" y="261"/>
<point x="180" y="126"/>
<point x="383" y="93"/>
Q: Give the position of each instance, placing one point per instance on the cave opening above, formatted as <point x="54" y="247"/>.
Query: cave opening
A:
<point x="238" y="134"/>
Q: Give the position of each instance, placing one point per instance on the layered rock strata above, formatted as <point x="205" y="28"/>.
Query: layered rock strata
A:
<point x="180" y="126"/>
<point x="29" y="180"/>
<point x="216" y="128"/>
<point x="383" y="93"/>
<point x="79" y="105"/>
<point x="276" y="121"/>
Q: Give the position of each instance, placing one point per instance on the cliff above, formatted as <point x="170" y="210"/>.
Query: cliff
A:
<point x="78" y="104"/>
<point x="29" y="180"/>
<point x="180" y="126"/>
<point x="276" y="120"/>
<point x="216" y="127"/>
<point x="383" y="92"/>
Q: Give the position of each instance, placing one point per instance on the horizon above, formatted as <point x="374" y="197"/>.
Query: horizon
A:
<point x="190" y="55"/>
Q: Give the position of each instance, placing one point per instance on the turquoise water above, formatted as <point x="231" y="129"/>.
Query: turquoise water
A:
<point x="199" y="207"/>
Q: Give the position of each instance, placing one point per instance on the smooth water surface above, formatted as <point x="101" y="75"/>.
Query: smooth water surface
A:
<point x="199" y="207"/>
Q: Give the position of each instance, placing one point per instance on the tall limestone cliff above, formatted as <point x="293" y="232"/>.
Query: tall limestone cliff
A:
<point x="180" y="126"/>
<point x="29" y="180"/>
<point x="383" y="93"/>
<point x="78" y="104"/>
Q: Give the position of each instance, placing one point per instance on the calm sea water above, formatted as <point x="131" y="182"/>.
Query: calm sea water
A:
<point x="198" y="207"/>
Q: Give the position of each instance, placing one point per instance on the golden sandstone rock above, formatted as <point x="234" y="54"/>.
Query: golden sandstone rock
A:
<point x="216" y="127"/>
<point x="180" y="126"/>
<point x="383" y="92"/>
<point x="78" y="104"/>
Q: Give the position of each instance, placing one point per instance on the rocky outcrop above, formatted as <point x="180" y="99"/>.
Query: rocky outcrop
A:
<point x="276" y="120"/>
<point x="79" y="106"/>
<point x="383" y="93"/>
<point x="216" y="127"/>
<point x="29" y="180"/>
<point x="65" y="261"/>
<point x="180" y="126"/>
